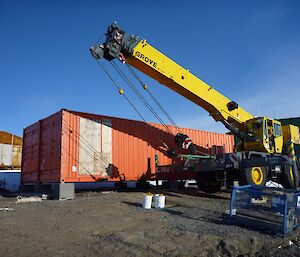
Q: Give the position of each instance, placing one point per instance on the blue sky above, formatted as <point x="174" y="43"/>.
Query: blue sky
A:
<point x="248" y="50"/>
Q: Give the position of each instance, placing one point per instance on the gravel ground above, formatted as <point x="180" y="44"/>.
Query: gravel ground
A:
<point x="113" y="223"/>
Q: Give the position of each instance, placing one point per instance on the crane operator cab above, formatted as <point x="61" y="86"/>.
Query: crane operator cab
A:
<point x="263" y="134"/>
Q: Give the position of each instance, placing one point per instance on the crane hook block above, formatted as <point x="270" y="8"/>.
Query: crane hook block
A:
<point x="121" y="91"/>
<point x="97" y="51"/>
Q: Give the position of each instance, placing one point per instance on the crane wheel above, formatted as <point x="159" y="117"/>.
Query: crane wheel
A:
<point x="256" y="176"/>
<point x="287" y="177"/>
<point x="208" y="183"/>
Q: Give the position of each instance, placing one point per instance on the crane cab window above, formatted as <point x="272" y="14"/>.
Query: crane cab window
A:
<point x="277" y="130"/>
<point x="253" y="129"/>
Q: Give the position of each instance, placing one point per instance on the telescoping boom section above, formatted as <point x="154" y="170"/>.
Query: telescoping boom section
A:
<point x="256" y="134"/>
<point x="160" y="67"/>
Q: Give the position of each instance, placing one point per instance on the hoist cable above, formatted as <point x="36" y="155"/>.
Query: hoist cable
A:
<point x="134" y="89"/>
<point x="152" y="97"/>
<point x="132" y="105"/>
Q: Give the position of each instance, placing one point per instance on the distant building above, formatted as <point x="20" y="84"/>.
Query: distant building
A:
<point x="291" y="121"/>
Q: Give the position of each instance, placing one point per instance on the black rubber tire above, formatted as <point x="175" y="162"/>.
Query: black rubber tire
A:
<point x="208" y="183"/>
<point x="247" y="177"/>
<point x="286" y="180"/>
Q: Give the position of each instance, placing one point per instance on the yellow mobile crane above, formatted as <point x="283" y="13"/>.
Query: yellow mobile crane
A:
<point x="266" y="149"/>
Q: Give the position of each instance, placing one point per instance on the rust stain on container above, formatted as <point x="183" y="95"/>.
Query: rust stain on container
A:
<point x="8" y="138"/>
<point x="71" y="146"/>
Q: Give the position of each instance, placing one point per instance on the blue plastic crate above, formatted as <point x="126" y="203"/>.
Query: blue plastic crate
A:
<point x="271" y="210"/>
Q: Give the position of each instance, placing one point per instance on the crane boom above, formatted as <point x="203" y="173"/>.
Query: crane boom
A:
<point x="161" y="68"/>
<point x="256" y="133"/>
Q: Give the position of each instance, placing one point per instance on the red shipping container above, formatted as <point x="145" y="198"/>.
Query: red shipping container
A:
<point x="71" y="146"/>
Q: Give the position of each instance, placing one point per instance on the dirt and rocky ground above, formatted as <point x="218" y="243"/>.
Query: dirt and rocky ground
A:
<point x="112" y="223"/>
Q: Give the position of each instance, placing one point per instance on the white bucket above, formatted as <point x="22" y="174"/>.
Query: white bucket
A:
<point x="159" y="201"/>
<point x="147" y="201"/>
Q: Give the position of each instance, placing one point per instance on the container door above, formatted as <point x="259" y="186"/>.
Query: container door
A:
<point x="94" y="148"/>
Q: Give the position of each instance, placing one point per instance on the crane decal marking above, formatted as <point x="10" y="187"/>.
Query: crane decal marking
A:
<point x="146" y="59"/>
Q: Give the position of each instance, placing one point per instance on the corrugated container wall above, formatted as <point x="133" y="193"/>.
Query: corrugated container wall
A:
<point x="10" y="151"/>
<point x="71" y="146"/>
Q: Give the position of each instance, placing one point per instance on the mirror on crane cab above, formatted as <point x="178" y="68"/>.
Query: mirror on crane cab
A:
<point x="263" y="134"/>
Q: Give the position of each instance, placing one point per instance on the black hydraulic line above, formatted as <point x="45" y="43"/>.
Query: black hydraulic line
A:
<point x="131" y="85"/>
<point x="233" y="129"/>
<point x="152" y="96"/>
<point x="132" y="105"/>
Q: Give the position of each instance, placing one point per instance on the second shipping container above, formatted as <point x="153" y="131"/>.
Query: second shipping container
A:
<point x="10" y="151"/>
